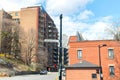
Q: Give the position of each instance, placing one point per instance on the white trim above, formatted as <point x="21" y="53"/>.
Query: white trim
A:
<point x="79" y="49"/>
<point x="111" y="48"/>
<point x="111" y="64"/>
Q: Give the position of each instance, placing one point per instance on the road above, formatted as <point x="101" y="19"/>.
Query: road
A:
<point x="49" y="76"/>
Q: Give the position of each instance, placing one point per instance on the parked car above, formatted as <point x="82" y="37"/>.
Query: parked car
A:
<point x="43" y="72"/>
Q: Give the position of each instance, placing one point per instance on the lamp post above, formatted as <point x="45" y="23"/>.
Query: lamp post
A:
<point x="99" y="46"/>
<point x="60" y="54"/>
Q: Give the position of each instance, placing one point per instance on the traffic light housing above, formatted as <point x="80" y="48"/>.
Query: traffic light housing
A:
<point x="65" y="56"/>
<point x="55" y="56"/>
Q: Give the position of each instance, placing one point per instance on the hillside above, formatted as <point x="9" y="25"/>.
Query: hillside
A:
<point x="9" y="67"/>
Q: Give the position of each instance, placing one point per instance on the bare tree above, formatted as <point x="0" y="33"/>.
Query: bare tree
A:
<point x="28" y="45"/>
<point x="114" y="30"/>
<point x="42" y="57"/>
<point x="6" y="39"/>
<point x="9" y="37"/>
<point x="15" y="46"/>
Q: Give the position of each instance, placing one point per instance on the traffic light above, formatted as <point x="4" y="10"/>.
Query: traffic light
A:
<point x="55" y="56"/>
<point x="65" y="56"/>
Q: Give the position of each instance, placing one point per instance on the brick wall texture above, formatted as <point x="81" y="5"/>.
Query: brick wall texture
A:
<point x="90" y="52"/>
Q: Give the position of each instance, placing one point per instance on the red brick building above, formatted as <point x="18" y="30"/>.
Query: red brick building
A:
<point x="86" y="58"/>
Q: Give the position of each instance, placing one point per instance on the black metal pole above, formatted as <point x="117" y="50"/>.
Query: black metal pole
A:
<point x="100" y="67"/>
<point x="60" y="55"/>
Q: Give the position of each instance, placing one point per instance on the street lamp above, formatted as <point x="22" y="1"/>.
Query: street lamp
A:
<point x="99" y="46"/>
<point x="60" y="54"/>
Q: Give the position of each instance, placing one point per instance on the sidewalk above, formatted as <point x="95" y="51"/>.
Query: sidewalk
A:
<point x="63" y="78"/>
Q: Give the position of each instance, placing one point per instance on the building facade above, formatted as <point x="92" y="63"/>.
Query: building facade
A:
<point x="38" y="25"/>
<point x="38" y="19"/>
<point x="87" y="58"/>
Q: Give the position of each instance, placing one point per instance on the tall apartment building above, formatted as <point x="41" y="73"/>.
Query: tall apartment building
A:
<point x="37" y="19"/>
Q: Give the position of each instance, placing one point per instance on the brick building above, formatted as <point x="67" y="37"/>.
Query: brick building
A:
<point x="87" y="57"/>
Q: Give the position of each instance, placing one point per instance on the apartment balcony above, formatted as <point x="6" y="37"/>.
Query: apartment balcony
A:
<point x="40" y="46"/>
<point x="41" y="25"/>
<point x="50" y="30"/>
<point x="42" y="15"/>
<point x="40" y="36"/>
<point x="50" y="23"/>
<point x="54" y="31"/>
<point x="41" y="29"/>
<point x="41" y="20"/>
<point x="40" y="40"/>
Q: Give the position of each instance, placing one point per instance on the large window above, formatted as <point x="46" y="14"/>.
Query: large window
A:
<point x="110" y="53"/>
<point x="16" y="14"/>
<point x="112" y="71"/>
<point x="79" y="52"/>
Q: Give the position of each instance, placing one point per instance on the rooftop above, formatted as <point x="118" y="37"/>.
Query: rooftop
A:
<point x="83" y="64"/>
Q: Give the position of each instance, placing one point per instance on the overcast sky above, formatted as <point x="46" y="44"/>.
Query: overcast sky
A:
<point x="89" y="17"/>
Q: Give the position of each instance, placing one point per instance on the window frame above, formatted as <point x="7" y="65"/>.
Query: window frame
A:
<point x="111" y="70"/>
<point x="16" y="13"/>
<point x="111" y="53"/>
<point x="79" y="54"/>
<point x="94" y="76"/>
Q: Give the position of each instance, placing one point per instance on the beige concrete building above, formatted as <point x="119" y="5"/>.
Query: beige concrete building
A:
<point x="15" y="15"/>
<point x="37" y="19"/>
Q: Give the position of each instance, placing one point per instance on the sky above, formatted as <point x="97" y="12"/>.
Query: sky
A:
<point x="89" y="17"/>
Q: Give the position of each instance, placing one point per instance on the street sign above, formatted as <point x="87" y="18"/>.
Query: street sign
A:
<point x="51" y="40"/>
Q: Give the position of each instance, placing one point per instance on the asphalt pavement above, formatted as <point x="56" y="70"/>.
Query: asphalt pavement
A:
<point x="49" y="76"/>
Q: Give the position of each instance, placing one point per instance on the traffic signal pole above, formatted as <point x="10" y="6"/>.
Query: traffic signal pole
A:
<point x="60" y="54"/>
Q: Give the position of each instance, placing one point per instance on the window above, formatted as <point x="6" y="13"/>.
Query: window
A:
<point x="94" y="75"/>
<point x="110" y="53"/>
<point x="79" y="52"/>
<point x="16" y="14"/>
<point x="111" y="69"/>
